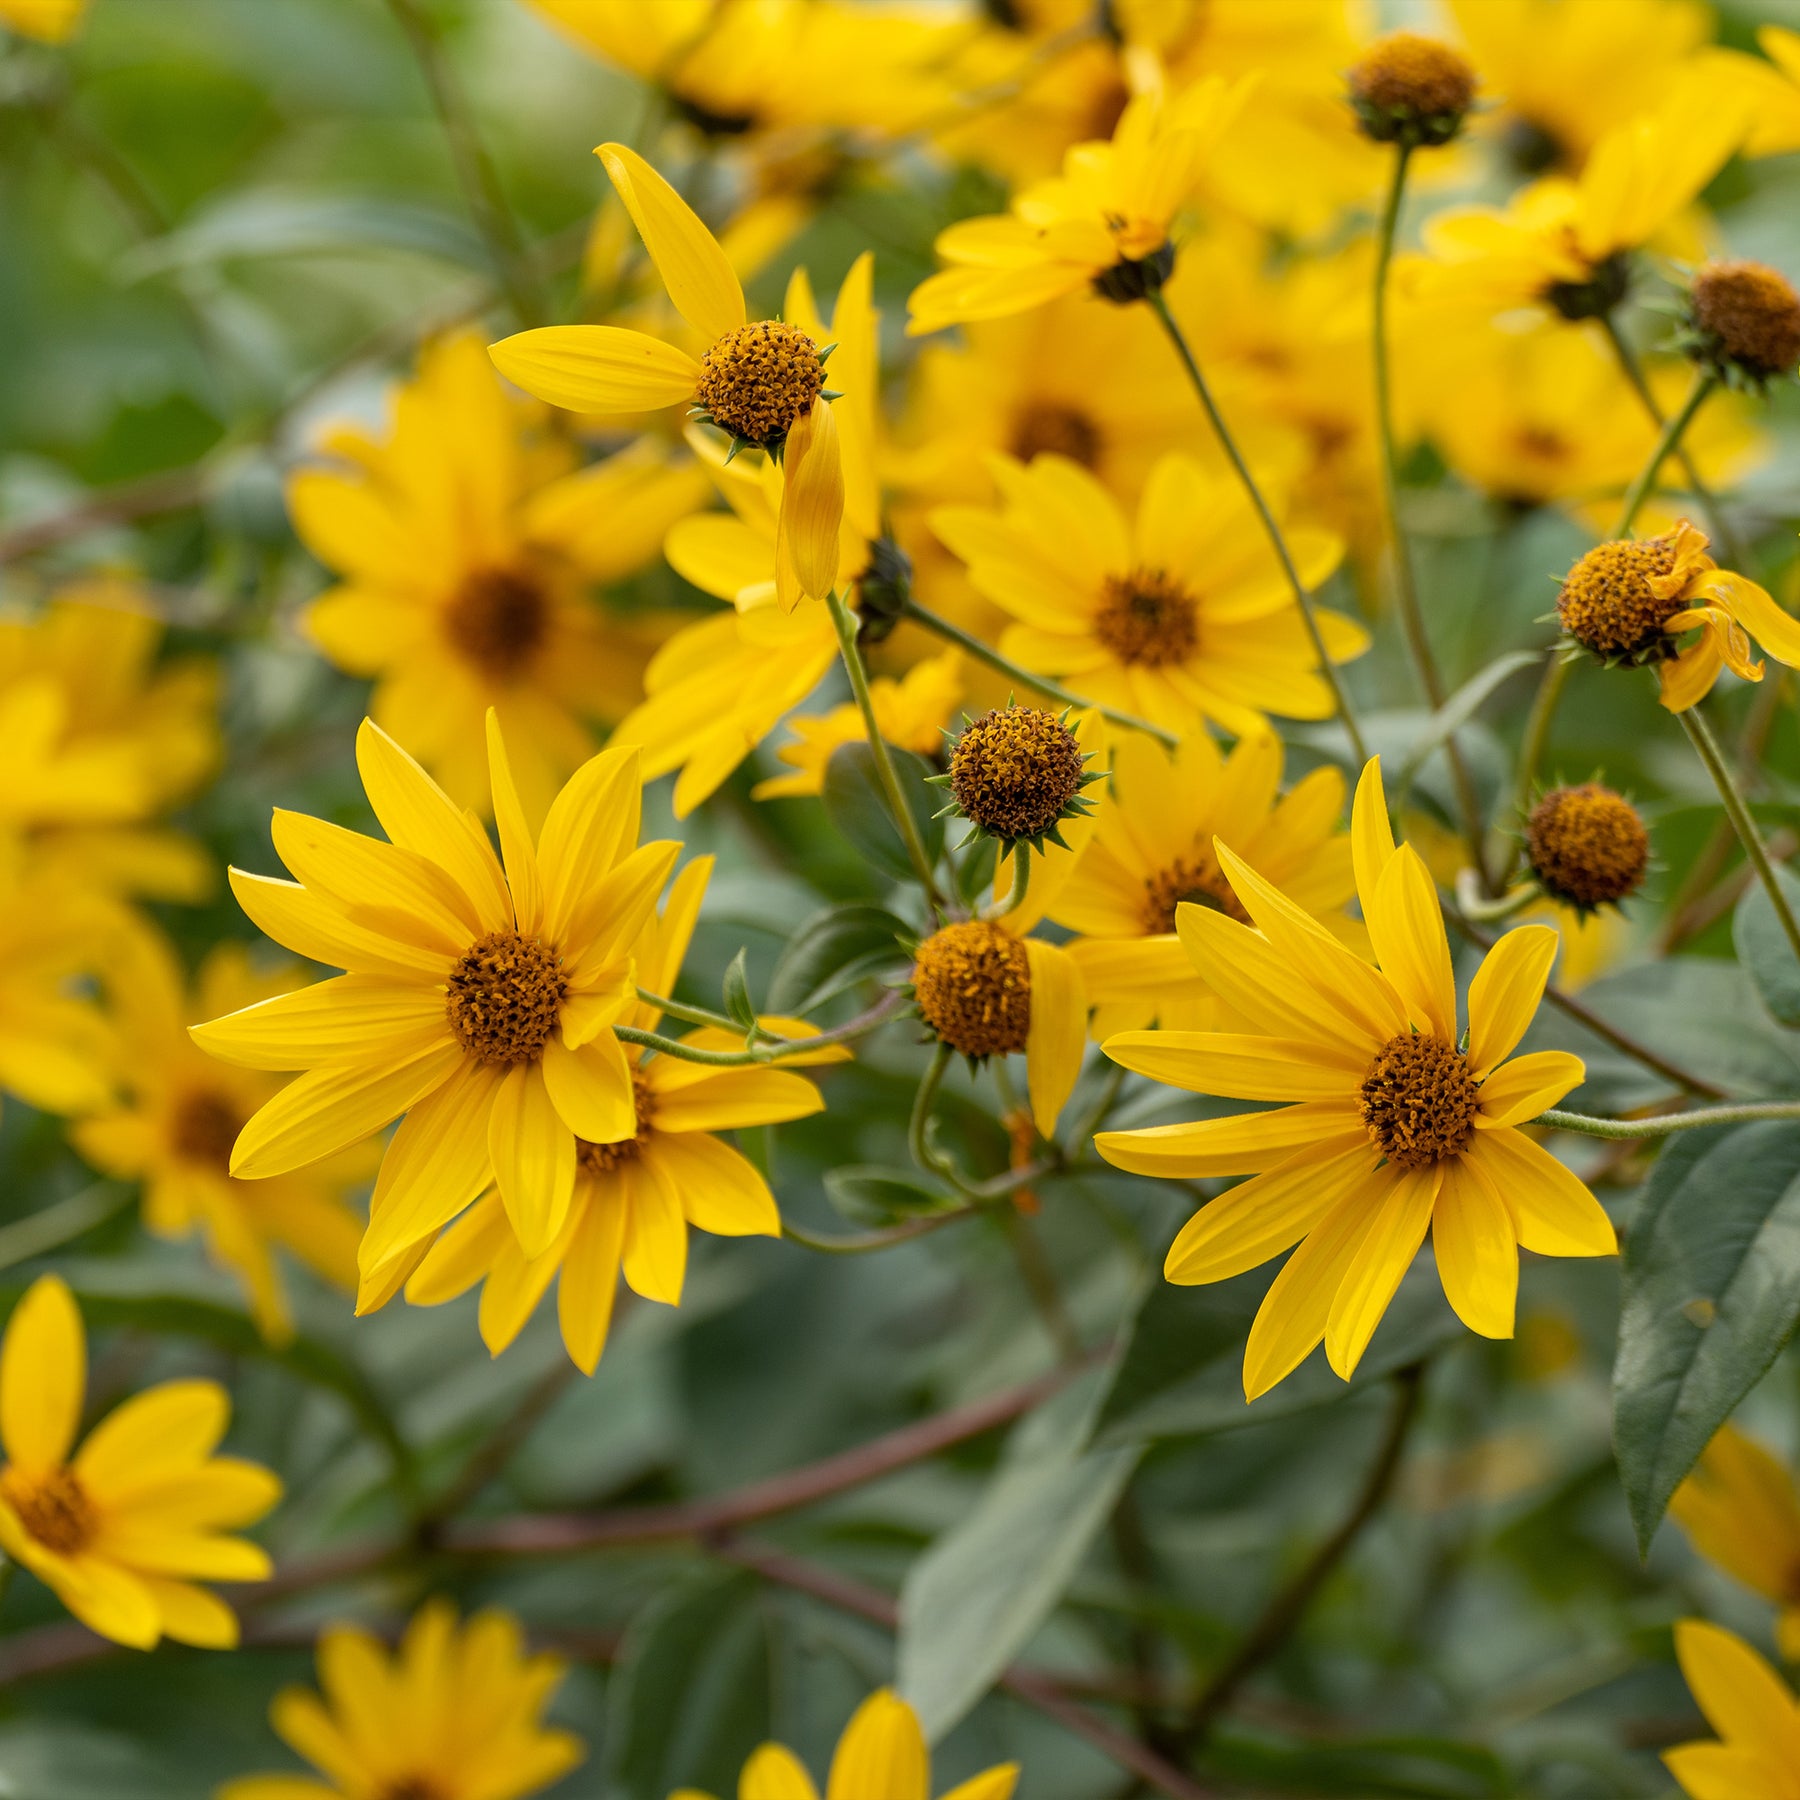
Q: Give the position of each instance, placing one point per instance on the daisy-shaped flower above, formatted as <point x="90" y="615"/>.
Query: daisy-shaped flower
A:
<point x="1180" y="616"/>
<point x="1102" y="224"/>
<point x="466" y="542"/>
<point x="1152" y="851"/>
<point x="1637" y="600"/>
<point x="1396" y="1123"/>
<point x="1741" y="1510"/>
<point x="881" y="1756"/>
<point x="761" y="382"/>
<point x="634" y="1200"/>
<point x="1749" y="1706"/>
<point x="181" y="1113"/>
<point x="476" y="1001"/>
<point x="125" y="1529"/>
<point x="456" y="1713"/>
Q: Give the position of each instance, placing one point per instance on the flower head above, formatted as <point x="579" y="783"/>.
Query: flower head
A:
<point x="1587" y="846"/>
<point x="478" y="1000"/>
<point x="1749" y="1706"/>
<point x="1412" y="90"/>
<point x="1744" y="322"/>
<point x="455" y="1713"/>
<point x="126" y="1528"/>
<point x="1016" y="773"/>
<point x="1397" y="1124"/>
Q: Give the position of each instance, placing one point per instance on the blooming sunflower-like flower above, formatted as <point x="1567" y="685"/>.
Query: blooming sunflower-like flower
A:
<point x="1152" y="852"/>
<point x="635" y="1199"/>
<point x="126" y="1529"/>
<point x="180" y="1115"/>
<point x="1741" y="1510"/>
<point x="1181" y="616"/>
<point x="761" y="382"/>
<point x="477" y="1001"/>
<point x="1102" y="224"/>
<point x="1752" y="1710"/>
<point x="882" y="1755"/>
<point x="466" y="542"/>
<point x="1635" y="600"/>
<point x="456" y="1713"/>
<point x="1397" y="1123"/>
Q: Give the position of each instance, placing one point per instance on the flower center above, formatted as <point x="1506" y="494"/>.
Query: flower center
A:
<point x="204" y="1128"/>
<point x="498" y="619"/>
<point x="602" y="1159"/>
<point x="1609" y="601"/>
<point x="1412" y="90"/>
<point x="1044" y="428"/>
<point x="758" y="379"/>
<point x="412" y="1787"/>
<point x="1606" y="285"/>
<point x="1200" y="881"/>
<point x="972" y="982"/>
<point x="1748" y="315"/>
<point x="1587" y="845"/>
<point x="1014" y="771"/>
<point x="505" y="997"/>
<point x="1419" y="1100"/>
<point x="53" y="1508"/>
<point x="1148" y="619"/>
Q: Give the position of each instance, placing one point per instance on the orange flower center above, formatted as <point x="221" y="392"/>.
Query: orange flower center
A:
<point x="1044" y="428"/>
<point x="1419" y="1100"/>
<point x="1014" y="771"/>
<point x="1749" y="315"/>
<point x="413" y="1787"/>
<point x="1200" y="881"/>
<point x="972" y="982"/>
<point x="1587" y="845"/>
<point x="757" y="380"/>
<point x="602" y="1159"/>
<point x="505" y="997"/>
<point x="203" y="1129"/>
<point x="53" y="1508"/>
<point x="1148" y="619"/>
<point x="1608" y="604"/>
<point x="498" y="620"/>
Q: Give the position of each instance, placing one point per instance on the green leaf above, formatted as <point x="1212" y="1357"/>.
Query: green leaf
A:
<point x="738" y="1004"/>
<point x="1764" y="950"/>
<point x="56" y="1759"/>
<point x="690" y="1696"/>
<point x="857" y="806"/>
<point x="833" y="950"/>
<point x="1711" y="1293"/>
<point x="877" y="1196"/>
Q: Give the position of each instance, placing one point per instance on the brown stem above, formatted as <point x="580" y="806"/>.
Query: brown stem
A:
<point x="490" y="1457"/>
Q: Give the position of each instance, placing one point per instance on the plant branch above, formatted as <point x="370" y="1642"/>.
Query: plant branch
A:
<point x="1645" y="482"/>
<point x="1665" y="1123"/>
<point x="771" y="1050"/>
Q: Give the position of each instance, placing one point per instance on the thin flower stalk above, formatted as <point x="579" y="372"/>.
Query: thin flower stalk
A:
<point x="1664" y="1124"/>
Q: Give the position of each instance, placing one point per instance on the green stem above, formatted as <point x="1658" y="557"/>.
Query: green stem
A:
<point x="694" y="1015"/>
<point x="774" y="1049"/>
<point x="1706" y="746"/>
<point x="845" y="622"/>
<point x="1640" y="490"/>
<point x="1041" y="1284"/>
<point x="1485" y="911"/>
<point x="954" y="634"/>
<point x="917" y="1138"/>
<point x="58" y="1224"/>
<point x="1021" y="880"/>
<point x="1327" y="668"/>
<point x="865" y="1241"/>
<point x="1665" y="1123"/>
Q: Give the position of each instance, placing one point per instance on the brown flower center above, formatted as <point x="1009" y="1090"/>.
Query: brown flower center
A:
<point x="53" y="1507"/>
<point x="602" y="1159"/>
<point x="1750" y="315"/>
<point x="505" y="997"/>
<point x="1148" y="619"/>
<point x="1411" y="89"/>
<point x="757" y="380"/>
<point x="1607" y="603"/>
<point x="1199" y="881"/>
<point x="972" y="982"/>
<point x="1014" y="771"/>
<point x="413" y="1787"/>
<point x="498" y="620"/>
<point x="203" y="1129"/>
<point x="1587" y="845"/>
<point x="1419" y="1100"/>
<point x="1044" y="428"/>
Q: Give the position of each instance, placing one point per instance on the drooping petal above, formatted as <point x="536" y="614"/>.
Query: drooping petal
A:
<point x="812" y="506"/>
<point x="533" y="1153"/>
<point x="1504" y="996"/>
<point x="654" y="1252"/>
<point x="695" y="270"/>
<point x="590" y="1275"/>
<point x="1477" y="1253"/>
<point x="597" y="368"/>
<point x="1057" y="1033"/>
<point x="1777" y="630"/>
<point x="43" y="1376"/>
<point x="1381" y="1260"/>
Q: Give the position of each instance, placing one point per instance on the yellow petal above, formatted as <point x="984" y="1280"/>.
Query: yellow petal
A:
<point x="654" y="1251"/>
<point x="775" y="1773"/>
<point x="177" y="1423"/>
<point x="1776" y="630"/>
<point x="1519" y="1090"/>
<point x="462" y="1254"/>
<point x="533" y="1153"/>
<point x="591" y="824"/>
<point x="397" y="892"/>
<point x="514" y="1286"/>
<point x="597" y="368"/>
<point x="992" y="1784"/>
<point x="1057" y="1033"/>
<point x="697" y="273"/>
<point x="1371" y="834"/>
<point x="350" y="1018"/>
<point x="720" y="1189"/>
<point x="1687" y="679"/>
<point x="1477" y="1254"/>
<point x="43" y="1376"/>
<point x="1744" y="1700"/>
<point x="1553" y="1212"/>
<point x="1238" y="1067"/>
<point x="590" y="1275"/>
<point x="591" y="1088"/>
<point x="191" y="1615"/>
<point x="1244" y="969"/>
<point x="1504" y="996"/>
<point x="882" y="1754"/>
<point x="312" y="927"/>
<point x="812" y="501"/>
<point x="1381" y="1260"/>
<point x="702" y="1099"/>
<point x="1407" y="930"/>
<point x="105" y="1598"/>
<point x="516" y="844"/>
<point x="1242" y="1145"/>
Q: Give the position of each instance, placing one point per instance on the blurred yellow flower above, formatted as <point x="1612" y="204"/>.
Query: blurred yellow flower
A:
<point x="635" y="1200"/>
<point x="478" y="1003"/>
<point x="49" y="21"/>
<point x="1181" y="616"/>
<point x="182" y="1112"/>
<point x="1393" y="1128"/>
<point x="456" y="1713"/>
<point x="1751" y="1709"/>
<point x="125" y="1530"/>
<point x="467" y="543"/>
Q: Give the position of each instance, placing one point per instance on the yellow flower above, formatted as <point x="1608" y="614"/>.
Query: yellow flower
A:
<point x="718" y="688"/>
<point x="126" y="1530"/>
<point x="1103" y="223"/>
<point x="49" y="21"/>
<point x="1633" y="600"/>
<point x="454" y="1714"/>
<point x="635" y="1200"/>
<point x="1741" y="1510"/>
<point x="1152" y="850"/>
<point x="53" y="1041"/>
<point x="467" y="544"/>
<point x="1394" y="1128"/>
<point x="1751" y="1709"/>
<point x="760" y="382"/>
<point x="182" y="1112"/>
<point x="912" y="713"/>
<point x="1184" y="616"/>
<point x="479" y="1004"/>
<point x="881" y="1756"/>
